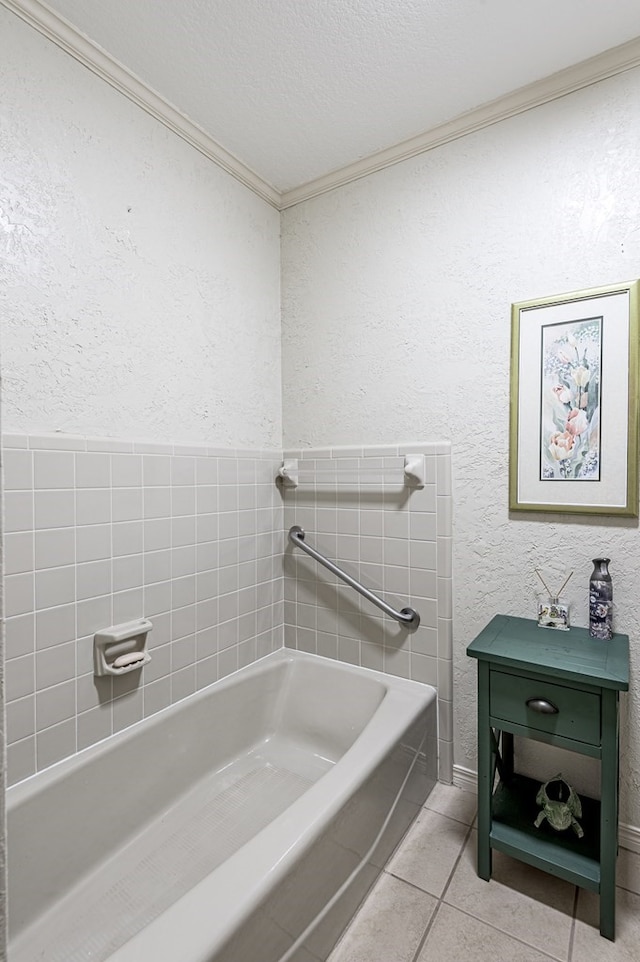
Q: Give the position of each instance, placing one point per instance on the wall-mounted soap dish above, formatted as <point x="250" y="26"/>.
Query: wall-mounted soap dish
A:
<point x="121" y="648"/>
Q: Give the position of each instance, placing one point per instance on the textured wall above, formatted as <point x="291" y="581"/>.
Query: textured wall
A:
<point x="140" y="283"/>
<point x="396" y="300"/>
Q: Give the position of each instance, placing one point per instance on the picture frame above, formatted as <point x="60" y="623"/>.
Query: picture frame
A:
<point x="574" y="402"/>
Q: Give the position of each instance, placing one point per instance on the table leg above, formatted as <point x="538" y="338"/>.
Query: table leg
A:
<point x="609" y="814"/>
<point x="485" y="769"/>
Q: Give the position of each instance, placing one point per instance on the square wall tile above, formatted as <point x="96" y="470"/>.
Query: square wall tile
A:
<point x="56" y="704"/>
<point x="55" y="586"/>
<point x="126" y="504"/>
<point x="55" y="665"/>
<point x="18" y="553"/>
<point x="127" y="538"/>
<point x="21" y="760"/>
<point x="157" y="502"/>
<point x="157" y="534"/>
<point x="17" y="470"/>
<point x="54" y="509"/>
<point x="183" y="591"/>
<point x="53" y="469"/>
<point x="19" y="594"/>
<point x="94" y="615"/>
<point x="19" y="677"/>
<point x="20" y="633"/>
<point x="128" y="605"/>
<point x="126" y="470"/>
<point x="183" y="501"/>
<point x="183" y="471"/>
<point x="55" y="626"/>
<point x="93" y="543"/>
<point x="183" y="531"/>
<point x="93" y="579"/>
<point x="206" y="471"/>
<point x="183" y="561"/>
<point x="93" y="506"/>
<point x="21" y="718"/>
<point x="156" y="470"/>
<point x="93" y="470"/>
<point x="94" y="725"/>
<point x="127" y="572"/>
<point x="18" y="511"/>
<point x="55" y="548"/>
<point x="128" y="709"/>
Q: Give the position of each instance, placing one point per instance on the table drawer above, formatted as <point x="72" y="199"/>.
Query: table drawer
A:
<point x="577" y="716"/>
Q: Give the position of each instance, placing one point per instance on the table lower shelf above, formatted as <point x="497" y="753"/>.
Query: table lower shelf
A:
<point x="563" y="854"/>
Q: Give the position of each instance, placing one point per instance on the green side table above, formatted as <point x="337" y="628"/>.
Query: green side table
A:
<point x="563" y="688"/>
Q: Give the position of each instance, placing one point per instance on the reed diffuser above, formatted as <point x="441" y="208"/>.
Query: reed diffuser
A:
<point x="553" y="614"/>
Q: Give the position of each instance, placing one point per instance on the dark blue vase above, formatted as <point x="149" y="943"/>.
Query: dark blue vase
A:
<point x="601" y="600"/>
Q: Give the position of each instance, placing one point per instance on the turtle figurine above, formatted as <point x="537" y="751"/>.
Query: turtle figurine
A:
<point x="563" y="810"/>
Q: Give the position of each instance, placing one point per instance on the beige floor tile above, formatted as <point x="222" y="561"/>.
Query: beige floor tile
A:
<point x="456" y="937"/>
<point x="628" y="876"/>
<point x="521" y="901"/>
<point x="453" y="802"/>
<point x="429" y="851"/>
<point x="389" y="926"/>
<point x="588" y="944"/>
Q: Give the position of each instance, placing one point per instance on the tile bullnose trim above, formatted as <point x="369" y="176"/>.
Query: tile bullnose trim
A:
<point x="97" y="445"/>
<point x="369" y="450"/>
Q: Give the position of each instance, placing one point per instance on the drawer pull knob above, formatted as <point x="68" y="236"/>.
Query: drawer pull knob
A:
<point x="542" y="705"/>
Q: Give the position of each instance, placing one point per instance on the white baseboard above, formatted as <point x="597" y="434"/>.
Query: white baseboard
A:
<point x="467" y="780"/>
<point x="629" y="837"/>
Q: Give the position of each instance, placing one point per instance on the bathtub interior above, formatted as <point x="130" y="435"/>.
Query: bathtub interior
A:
<point x="126" y="828"/>
<point x="303" y="917"/>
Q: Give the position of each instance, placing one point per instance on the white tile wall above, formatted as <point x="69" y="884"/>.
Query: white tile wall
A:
<point x="103" y="531"/>
<point x="396" y="540"/>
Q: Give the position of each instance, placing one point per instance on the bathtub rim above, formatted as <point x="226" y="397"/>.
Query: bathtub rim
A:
<point x="21" y="791"/>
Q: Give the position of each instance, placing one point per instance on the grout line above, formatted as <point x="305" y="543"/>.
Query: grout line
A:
<point x="442" y="894"/>
<point x="456" y="863"/>
<point x="427" y="932"/>
<point x="453" y="818"/>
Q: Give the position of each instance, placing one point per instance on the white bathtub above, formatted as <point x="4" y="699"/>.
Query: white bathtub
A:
<point x="244" y="824"/>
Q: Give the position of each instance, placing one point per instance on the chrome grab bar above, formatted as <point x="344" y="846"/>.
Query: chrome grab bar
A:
<point x="407" y="616"/>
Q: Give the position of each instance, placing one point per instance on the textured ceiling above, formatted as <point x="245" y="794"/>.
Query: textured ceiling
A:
<point x="298" y="88"/>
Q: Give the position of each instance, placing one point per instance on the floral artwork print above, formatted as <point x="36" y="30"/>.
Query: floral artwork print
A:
<point x="570" y="401"/>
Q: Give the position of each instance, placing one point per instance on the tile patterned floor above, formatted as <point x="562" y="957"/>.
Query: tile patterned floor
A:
<point x="430" y="906"/>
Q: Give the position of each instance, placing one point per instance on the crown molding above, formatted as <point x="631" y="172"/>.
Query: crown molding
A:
<point x="65" y="35"/>
<point x="567" y="81"/>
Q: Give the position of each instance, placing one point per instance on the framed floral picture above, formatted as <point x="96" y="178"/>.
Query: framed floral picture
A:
<point x="574" y="403"/>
